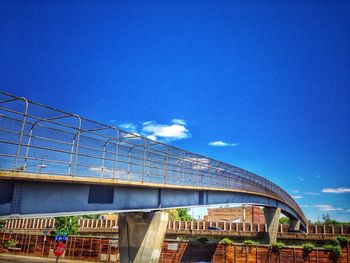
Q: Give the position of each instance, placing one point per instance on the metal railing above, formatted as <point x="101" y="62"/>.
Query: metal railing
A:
<point x="35" y="138"/>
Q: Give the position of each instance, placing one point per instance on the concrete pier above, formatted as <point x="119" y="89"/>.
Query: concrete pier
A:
<point x="294" y="224"/>
<point x="141" y="236"/>
<point x="272" y="216"/>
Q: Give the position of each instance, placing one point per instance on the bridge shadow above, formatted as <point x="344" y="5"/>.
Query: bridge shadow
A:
<point x="198" y="252"/>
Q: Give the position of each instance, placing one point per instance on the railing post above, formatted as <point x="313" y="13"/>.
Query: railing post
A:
<point x="25" y="113"/>
<point x="72" y="153"/>
<point x="144" y="161"/>
<point x="165" y="174"/>
<point x="129" y="162"/>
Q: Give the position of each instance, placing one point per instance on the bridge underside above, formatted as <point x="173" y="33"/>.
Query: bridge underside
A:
<point x="36" y="198"/>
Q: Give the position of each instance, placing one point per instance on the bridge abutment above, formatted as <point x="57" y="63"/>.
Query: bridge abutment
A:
<point x="272" y="216"/>
<point x="141" y="236"/>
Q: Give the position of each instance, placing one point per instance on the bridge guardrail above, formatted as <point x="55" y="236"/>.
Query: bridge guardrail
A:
<point x="35" y="138"/>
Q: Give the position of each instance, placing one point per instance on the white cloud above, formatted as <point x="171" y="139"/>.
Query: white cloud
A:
<point x="312" y="193"/>
<point x="132" y="135"/>
<point x="300" y="178"/>
<point x="222" y="144"/>
<point x="296" y="191"/>
<point x="328" y="208"/>
<point x="112" y="121"/>
<point x="339" y="190"/>
<point x="108" y="172"/>
<point x="325" y="207"/>
<point x="130" y="127"/>
<point x="199" y="163"/>
<point x="147" y="122"/>
<point x="152" y="137"/>
<point x="176" y="130"/>
<point x="171" y="132"/>
<point x="179" y="121"/>
<point x="297" y="196"/>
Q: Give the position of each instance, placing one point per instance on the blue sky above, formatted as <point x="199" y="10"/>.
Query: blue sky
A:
<point x="264" y="86"/>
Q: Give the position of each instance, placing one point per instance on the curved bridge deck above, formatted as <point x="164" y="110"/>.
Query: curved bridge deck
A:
<point x="40" y="143"/>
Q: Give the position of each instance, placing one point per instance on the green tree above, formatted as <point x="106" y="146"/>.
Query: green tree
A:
<point x="184" y="214"/>
<point x="67" y="224"/>
<point x="327" y="220"/>
<point x="226" y="241"/>
<point x="173" y="214"/>
<point x="181" y="214"/>
<point x="284" y="220"/>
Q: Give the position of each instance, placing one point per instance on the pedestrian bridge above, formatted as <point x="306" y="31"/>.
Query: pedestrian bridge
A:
<point x="57" y="163"/>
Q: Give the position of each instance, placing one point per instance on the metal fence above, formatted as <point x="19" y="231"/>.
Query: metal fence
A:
<point x="35" y="138"/>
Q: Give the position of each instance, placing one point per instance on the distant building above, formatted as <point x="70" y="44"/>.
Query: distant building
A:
<point x="109" y="217"/>
<point x="247" y="214"/>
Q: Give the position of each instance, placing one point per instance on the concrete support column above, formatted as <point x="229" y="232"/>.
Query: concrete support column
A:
<point x="294" y="224"/>
<point x="272" y="216"/>
<point x="141" y="236"/>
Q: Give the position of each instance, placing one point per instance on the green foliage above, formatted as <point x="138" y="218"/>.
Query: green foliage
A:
<point x="335" y="250"/>
<point x="226" y="241"/>
<point x="184" y="214"/>
<point x="284" y="220"/>
<point x="342" y="240"/>
<point x="327" y="220"/>
<point x="173" y="214"/>
<point x="333" y="242"/>
<point x="250" y="243"/>
<point x="202" y="239"/>
<point x="96" y="216"/>
<point x="308" y="247"/>
<point x="276" y="247"/>
<point x="181" y="214"/>
<point x="180" y="238"/>
<point x="2" y="224"/>
<point x="67" y="224"/>
<point x="11" y="243"/>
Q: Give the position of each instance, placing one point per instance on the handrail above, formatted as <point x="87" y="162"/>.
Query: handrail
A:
<point x="89" y="139"/>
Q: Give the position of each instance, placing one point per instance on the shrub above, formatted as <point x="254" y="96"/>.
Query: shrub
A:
<point x="2" y="224"/>
<point x="342" y="240"/>
<point x="308" y="247"/>
<point x="276" y="247"/>
<point x="226" y="241"/>
<point x="202" y="239"/>
<point x="333" y="242"/>
<point x="180" y="238"/>
<point x="67" y="225"/>
<point x="250" y="243"/>
<point x="11" y="243"/>
<point x="335" y="250"/>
